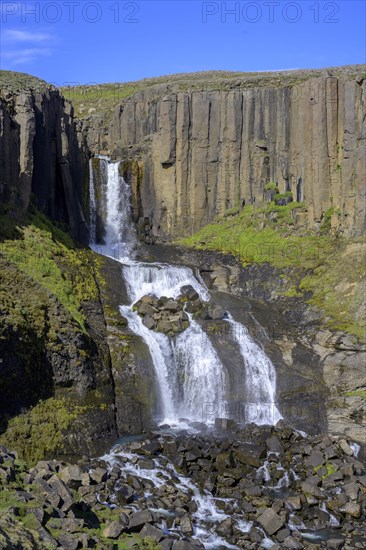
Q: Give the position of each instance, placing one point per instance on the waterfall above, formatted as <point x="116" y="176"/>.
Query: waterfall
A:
<point x="190" y="375"/>
<point x="92" y="206"/>
<point x="260" y="378"/>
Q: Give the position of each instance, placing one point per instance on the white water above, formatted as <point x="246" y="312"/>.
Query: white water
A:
<point x="260" y="378"/>
<point x="93" y="206"/>
<point x="191" y="377"/>
<point x="207" y="512"/>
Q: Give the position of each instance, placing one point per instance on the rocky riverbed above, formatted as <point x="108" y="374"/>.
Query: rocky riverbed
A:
<point x="257" y="487"/>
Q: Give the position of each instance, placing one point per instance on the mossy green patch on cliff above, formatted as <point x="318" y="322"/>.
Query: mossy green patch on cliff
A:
<point x="331" y="269"/>
<point x="50" y="257"/>
<point x="357" y="393"/>
<point x="253" y="238"/>
<point x="43" y="426"/>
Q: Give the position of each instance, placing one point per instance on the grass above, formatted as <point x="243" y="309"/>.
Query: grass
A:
<point x="50" y="257"/>
<point x="100" y="99"/>
<point x="357" y="393"/>
<point x="331" y="269"/>
<point x="43" y="426"/>
<point x="240" y="235"/>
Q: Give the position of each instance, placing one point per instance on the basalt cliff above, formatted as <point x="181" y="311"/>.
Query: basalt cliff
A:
<point x="207" y="144"/>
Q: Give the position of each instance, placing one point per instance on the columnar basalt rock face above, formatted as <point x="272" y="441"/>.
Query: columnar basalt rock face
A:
<point x="42" y="153"/>
<point x="203" y="152"/>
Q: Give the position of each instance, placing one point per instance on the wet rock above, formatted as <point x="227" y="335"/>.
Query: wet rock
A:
<point x="215" y="312"/>
<point x="189" y="292"/>
<point x="225" y="528"/>
<point x="250" y="454"/>
<point x="345" y="447"/>
<point x="149" y="322"/>
<point x="186" y="525"/>
<point x="225" y="424"/>
<point x="274" y="445"/>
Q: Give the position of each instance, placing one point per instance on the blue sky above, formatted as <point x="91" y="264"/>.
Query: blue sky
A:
<point x="82" y="41"/>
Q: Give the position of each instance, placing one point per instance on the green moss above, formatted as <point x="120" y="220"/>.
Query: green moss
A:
<point x="356" y="393"/>
<point x="330" y="270"/>
<point x="271" y="186"/>
<point x="39" y="432"/>
<point x="50" y="257"/>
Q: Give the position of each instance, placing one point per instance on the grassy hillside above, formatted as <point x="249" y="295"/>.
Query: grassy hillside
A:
<point x="331" y="269"/>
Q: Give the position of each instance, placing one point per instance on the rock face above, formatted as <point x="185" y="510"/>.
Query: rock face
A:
<point x="215" y="146"/>
<point x="41" y="152"/>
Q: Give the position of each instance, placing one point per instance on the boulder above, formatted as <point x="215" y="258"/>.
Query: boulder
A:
<point x="270" y="521"/>
<point x="113" y="529"/>
<point x="215" y="312"/>
<point x="186" y="525"/>
<point x="149" y="322"/>
<point x="72" y="475"/>
<point x="151" y="531"/>
<point x="250" y="454"/>
<point x="138" y="519"/>
<point x="172" y="305"/>
<point x="352" y="509"/>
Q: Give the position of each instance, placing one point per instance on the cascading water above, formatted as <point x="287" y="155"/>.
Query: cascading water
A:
<point x="190" y="374"/>
<point x="92" y="206"/>
<point x="260" y="378"/>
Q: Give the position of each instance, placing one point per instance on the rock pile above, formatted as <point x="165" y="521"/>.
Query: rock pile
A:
<point x="169" y="316"/>
<point x="189" y="491"/>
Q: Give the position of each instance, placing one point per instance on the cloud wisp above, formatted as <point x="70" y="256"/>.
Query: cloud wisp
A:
<point x="21" y="47"/>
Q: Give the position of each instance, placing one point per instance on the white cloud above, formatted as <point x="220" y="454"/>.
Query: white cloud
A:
<point x="13" y="35"/>
<point x="23" y="47"/>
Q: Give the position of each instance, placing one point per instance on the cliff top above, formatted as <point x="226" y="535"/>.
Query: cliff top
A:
<point x="91" y="99"/>
<point x="15" y="82"/>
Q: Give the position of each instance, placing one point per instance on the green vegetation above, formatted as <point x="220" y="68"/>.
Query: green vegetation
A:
<point x="50" y="257"/>
<point x="327" y="271"/>
<point x="39" y="432"/>
<point x="357" y="393"/>
<point x="271" y="186"/>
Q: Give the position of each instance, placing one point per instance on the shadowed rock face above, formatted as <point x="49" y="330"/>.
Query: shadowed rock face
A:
<point x="202" y="152"/>
<point x="41" y="152"/>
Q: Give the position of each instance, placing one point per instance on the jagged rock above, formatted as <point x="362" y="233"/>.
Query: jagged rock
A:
<point x="149" y="322"/>
<point x="189" y="292"/>
<point x="351" y="508"/>
<point x="186" y="525"/>
<point x="250" y="454"/>
<point x="225" y="424"/>
<point x="164" y="326"/>
<point x="113" y="529"/>
<point x="98" y="475"/>
<point x="172" y="305"/>
<point x="225" y="528"/>
<point x="270" y="521"/>
<point x="151" y="531"/>
<point x="138" y="519"/>
<point x="68" y="542"/>
<point x="72" y="475"/>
